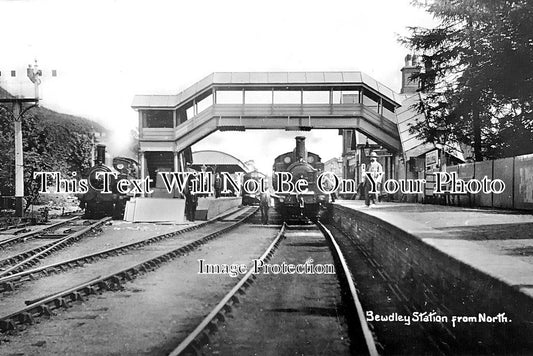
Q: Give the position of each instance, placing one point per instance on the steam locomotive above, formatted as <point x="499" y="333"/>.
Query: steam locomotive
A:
<point x="98" y="204"/>
<point x="301" y="165"/>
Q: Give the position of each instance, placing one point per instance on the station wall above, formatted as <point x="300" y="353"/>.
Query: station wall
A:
<point x="430" y="280"/>
<point x="515" y="172"/>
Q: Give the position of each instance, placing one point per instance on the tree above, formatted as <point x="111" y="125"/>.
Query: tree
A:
<point x="52" y="142"/>
<point x="478" y="75"/>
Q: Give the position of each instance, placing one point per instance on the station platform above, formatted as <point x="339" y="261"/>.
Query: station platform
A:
<point x="496" y="242"/>
<point x="173" y="210"/>
<point x="462" y="263"/>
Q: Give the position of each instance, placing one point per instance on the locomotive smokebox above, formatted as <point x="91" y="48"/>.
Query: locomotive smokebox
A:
<point x="300" y="148"/>
<point x="100" y="154"/>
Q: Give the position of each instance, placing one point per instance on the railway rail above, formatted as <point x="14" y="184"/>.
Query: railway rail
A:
<point x="21" y="235"/>
<point x="31" y="257"/>
<point x="44" y="306"/>
<point x="202" y="334"/>
<point x="10" y="282"/>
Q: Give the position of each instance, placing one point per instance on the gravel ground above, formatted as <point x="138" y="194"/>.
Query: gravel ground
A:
<point x="291" y="314"/>
<point x="152" y="314"/>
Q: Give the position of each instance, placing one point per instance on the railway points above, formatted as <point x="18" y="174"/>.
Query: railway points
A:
<point x="30" y="257"/>
<point x="91" y="252"/>
<point x="115" y="270"/>
<point x="12" y="236"/>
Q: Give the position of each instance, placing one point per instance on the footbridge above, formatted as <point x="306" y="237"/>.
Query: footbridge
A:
<point x="268" y="100"/>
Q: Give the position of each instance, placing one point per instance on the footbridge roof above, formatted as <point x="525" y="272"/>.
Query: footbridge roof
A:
<point x="261" y="80"/>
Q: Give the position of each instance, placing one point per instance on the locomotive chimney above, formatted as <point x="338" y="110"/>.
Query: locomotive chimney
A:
<point x="300" y="148"/>
<point x="100" y="154"/>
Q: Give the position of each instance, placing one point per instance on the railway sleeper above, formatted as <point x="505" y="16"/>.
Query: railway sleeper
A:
<point x="115" y="280"/>
<point x="90" y="290"/>
<point x="45" y="310"/>
<point x="212" y="328"/>
<point x="235" y="299"/>
<point x="246" y="285"/>
<point x="203" y="338"/>
<point x="7" y="325"/>
<point x="103" y="285"/>
<point x="60" y="302"/>
<point x="194" y="348"/>
<point x="26" y="318"/>
<point x="8" y="287"/>
<point x="220" y="317"/>
<point x="75" y="296"/>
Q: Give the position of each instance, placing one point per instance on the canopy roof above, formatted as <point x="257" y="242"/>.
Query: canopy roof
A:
<point x="220" y="161"/>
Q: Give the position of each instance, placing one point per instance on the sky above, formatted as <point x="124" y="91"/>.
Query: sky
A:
<point x="105" y="52"/>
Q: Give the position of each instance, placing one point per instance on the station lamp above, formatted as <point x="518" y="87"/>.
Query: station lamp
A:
<point x="367" y="148"/>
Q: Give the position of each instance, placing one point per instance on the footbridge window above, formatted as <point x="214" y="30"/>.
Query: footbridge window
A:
<point x="258" y="97"/>
<point x="287" y="97"/>
<point x="316" y="97"/>
<point x="346" y="97"/>
<point x="371" y="100"/>
<point x="388" y="111"/>
<point x="204" y="103"/>
<point x="229" y="97"/>
<point x="158" y="118"/>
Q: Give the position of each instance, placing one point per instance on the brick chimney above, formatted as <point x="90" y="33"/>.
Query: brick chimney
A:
<point x="412" y="66"/>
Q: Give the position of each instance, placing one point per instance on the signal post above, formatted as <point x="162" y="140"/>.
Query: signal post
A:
<point x="17" y="111"/>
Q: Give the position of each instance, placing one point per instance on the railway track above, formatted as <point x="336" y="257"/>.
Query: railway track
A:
<point x="32" y="256"/>
<point x="10" y="282"/>
<point x="43" y="306"/>
<point x="201" y="336"/>
<point x="21" y="235"/>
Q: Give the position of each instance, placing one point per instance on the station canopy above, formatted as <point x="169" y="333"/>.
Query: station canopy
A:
<point x="217" y="161"/>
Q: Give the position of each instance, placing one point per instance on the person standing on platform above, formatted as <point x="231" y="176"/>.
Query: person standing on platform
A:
<point x="218" y="185"/>
<point x="374" y="168"/>
<point x="191" y="199"/>
<point x="264" y="205"/>
<point x="191" y="202"/>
